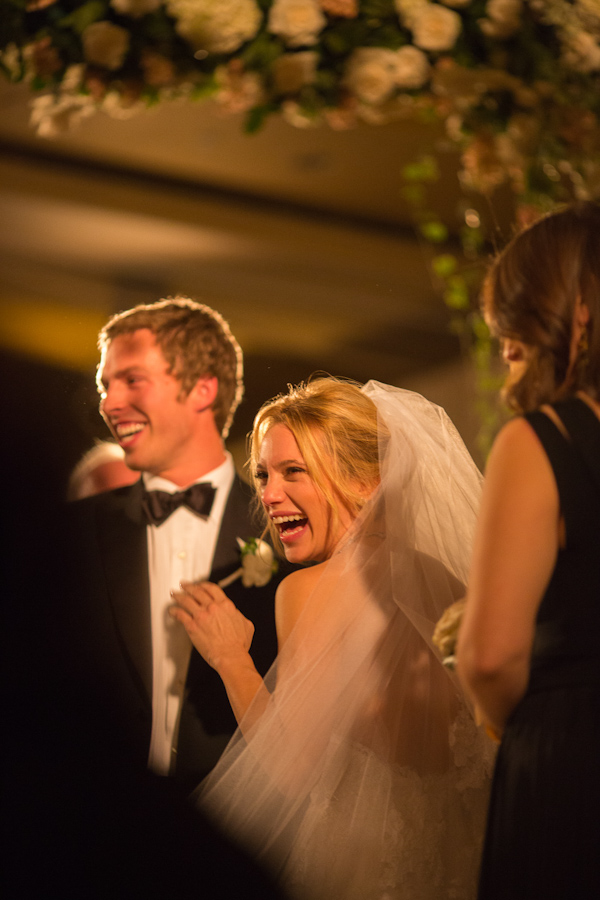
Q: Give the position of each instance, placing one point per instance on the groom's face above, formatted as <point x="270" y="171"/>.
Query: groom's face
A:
<point x="143" y="407"/>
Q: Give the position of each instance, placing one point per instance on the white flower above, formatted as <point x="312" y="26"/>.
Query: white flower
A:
<point x="52" y="116"/>
<point x="503" y="18"/>
<point x="216" y="26"/>
<point x="135" y="8"/>
<point x="73" y="79"/>
<point x="10" y="59"/>
<point x="412" y="68"/>
<point x="435" y="28"/>
<point x="258" y="564"/>
<point x="582" y="53"/>
<point x="298" y="22"/>
<point x="292" y="71"/>
<point x="105" y="44"/>
<point x="238" y="91"/>
<point x="371" y="73"/>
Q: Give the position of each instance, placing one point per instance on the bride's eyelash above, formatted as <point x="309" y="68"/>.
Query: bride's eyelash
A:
<point x="260" y="475"/>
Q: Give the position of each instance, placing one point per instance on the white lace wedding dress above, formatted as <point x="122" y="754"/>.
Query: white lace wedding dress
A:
<point x="366" y="777"/>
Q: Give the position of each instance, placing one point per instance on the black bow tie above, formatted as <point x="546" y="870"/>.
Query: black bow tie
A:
<point x="158" y="505"/>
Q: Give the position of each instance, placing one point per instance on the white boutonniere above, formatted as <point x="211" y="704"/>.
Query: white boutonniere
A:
<point x="258" y="564"/>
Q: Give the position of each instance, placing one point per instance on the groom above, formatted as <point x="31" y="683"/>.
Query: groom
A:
<point x="170" y="378"/>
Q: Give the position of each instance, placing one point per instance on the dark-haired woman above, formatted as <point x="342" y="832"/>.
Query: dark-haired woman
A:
<point x="529" y="649"/>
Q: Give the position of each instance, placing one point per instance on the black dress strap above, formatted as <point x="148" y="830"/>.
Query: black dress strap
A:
<point x="559" y="449"/>
<point x="575" y="475"/>
<point x="583" y="427"/>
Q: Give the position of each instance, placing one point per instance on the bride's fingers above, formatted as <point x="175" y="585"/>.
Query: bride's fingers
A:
<point x="183" y="606"/>
<point x="197" y="592"/>
<point x="213" y="591"/>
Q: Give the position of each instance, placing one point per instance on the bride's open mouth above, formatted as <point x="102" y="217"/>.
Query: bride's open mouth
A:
<point x="290" y="526"/>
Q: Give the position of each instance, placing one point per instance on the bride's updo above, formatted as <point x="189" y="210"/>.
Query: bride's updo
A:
<point x="336" y="428"/>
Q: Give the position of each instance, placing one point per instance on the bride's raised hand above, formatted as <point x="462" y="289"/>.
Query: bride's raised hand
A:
<point x="217" y="629"/>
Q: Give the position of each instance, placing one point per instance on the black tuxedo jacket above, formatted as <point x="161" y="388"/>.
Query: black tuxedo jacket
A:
<point x="110" y="624"/>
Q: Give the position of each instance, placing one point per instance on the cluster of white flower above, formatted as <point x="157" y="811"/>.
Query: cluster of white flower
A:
<point x="373" y="73"/>
<point x="298" y="22"/>
<point x="105" y="44"/>
<point x="258" y="56"/>
<point x="216" y="26"/>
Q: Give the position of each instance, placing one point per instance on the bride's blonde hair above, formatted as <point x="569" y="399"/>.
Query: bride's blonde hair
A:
<point x="336" y="428"/>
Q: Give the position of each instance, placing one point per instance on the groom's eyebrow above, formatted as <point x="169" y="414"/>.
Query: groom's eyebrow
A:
<point x="123" y="373"/>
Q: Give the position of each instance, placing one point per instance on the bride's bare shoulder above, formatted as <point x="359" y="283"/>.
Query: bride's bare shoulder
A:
<point x="292" y="594"/>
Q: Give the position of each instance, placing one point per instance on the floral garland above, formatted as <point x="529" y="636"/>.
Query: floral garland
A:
<point x="508" y="77"/>
<point x="516" y="82"/>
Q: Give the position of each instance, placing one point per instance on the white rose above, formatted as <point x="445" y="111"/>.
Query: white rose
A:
<point x="292" y="71"/>
<point x="412" y="68"/>
<point x="105" y="44"/>
<point x="371" y="73"/>
<point x="582" y="53"/>
<point x="135" y="8"/>
<point x="435" y="28"/>
<point x="258" y="564"/>
<point x="298" y="22"/>
<point x="503" y="18"/>
<point x="217" y="26"/>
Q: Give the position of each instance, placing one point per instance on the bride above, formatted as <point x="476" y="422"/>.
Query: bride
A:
<point x="357" y="771"/>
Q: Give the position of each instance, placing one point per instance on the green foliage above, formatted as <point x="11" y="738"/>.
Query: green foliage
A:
<point x="82" y="16"/>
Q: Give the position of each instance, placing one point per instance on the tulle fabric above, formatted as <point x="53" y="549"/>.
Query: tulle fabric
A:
<point x="366" y="776"/>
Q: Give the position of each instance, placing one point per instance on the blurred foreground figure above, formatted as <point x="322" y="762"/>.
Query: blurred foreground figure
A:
<point x="102" y="468"/>
<point x="528" y="647"/>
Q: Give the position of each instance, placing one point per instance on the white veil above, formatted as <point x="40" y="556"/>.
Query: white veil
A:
<point x="366" y="777"/>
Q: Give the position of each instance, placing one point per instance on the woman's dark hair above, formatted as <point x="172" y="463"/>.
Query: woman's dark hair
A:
<point x="530" y="294"/>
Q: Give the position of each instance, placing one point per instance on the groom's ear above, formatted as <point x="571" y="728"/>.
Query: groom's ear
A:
<point x="204" y="393"/>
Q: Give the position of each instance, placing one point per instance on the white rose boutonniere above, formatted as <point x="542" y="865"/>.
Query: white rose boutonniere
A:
<point x="258" y="564"/>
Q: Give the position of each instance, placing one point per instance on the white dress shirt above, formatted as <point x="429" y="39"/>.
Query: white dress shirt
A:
<point x="181" y="549"/>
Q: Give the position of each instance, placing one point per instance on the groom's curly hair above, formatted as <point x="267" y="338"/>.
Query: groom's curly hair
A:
<point x="196" y="342"/>
<point x="338" y="434"/>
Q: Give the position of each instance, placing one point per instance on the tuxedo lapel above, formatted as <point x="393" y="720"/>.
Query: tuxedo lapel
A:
<point x="236" y="522"/>
<point x="121" y="532"/>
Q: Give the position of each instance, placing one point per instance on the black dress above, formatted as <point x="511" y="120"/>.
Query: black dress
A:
<point x="543" y="833"/>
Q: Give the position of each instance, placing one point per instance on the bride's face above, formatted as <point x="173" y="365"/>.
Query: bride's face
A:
<point x="293" y="501"/>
